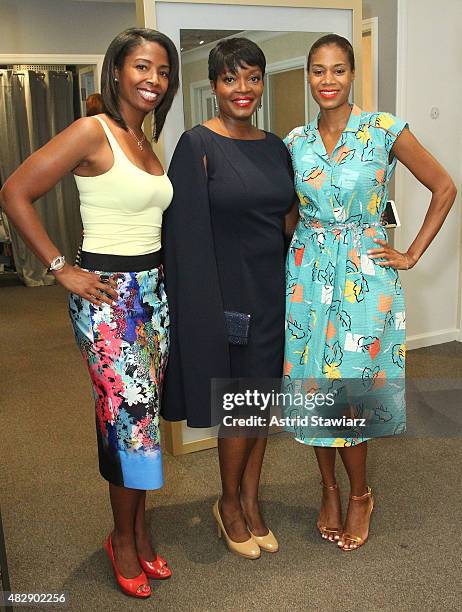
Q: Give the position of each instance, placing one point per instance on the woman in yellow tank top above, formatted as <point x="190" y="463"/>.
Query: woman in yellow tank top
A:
<point x="117" y="301"/>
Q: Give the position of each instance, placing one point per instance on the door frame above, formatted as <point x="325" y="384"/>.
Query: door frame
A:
<point x="195" y="90"/>
<point x="91" y="69"/>
<point x="372" y="25"/>
<point x="294" y="63"/>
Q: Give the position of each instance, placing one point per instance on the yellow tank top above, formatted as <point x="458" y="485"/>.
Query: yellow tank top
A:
<point x="122" y="209"/>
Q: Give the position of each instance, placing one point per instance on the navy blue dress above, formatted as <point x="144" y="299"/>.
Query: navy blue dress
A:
<point x="224" y="250"/>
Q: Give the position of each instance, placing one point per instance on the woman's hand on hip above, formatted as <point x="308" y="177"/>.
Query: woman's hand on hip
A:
<point x="88" y="285"/>
<point x="393" y="258"/>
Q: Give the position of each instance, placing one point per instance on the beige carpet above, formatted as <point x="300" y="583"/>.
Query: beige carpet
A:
<point x="56" y="511"/>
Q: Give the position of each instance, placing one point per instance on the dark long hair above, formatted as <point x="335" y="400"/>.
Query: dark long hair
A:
<point x="338" y="41"/>
<point x="115" y="56"/>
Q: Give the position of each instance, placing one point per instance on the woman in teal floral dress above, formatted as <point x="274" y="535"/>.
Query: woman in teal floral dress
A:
<point x="345" y="316"/>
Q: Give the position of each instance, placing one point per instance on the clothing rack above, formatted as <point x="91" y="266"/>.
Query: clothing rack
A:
<point x="39" y="73"/>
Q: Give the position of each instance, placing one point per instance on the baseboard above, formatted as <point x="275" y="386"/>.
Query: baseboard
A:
<point x="422" y="340"/>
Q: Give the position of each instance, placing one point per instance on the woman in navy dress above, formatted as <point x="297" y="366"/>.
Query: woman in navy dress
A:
<point x="225" y="252"/>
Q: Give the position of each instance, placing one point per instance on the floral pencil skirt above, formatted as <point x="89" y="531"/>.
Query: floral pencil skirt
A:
<point x="125" y="348"/>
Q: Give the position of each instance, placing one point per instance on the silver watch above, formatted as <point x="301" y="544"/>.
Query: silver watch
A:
<point x="57" y="264"/>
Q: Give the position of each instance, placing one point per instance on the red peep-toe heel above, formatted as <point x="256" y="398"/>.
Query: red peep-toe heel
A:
<point x="135" y="587"/>
<point x="157" y="569"/>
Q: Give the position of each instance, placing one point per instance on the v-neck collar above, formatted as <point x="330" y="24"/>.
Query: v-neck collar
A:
<point x="352" y="125"/>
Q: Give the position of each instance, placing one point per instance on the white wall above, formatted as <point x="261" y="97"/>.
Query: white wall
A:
<point x="57" y="26"/>
<point x="430" y="75"/>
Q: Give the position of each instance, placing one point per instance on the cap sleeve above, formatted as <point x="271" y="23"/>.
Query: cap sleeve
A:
<point x="392" y="126"/>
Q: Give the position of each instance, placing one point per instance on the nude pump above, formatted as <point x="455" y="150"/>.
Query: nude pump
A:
<point x="248" y="549"/>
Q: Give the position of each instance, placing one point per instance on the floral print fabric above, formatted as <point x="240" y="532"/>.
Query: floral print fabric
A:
<point x="126" y="347"/>
<point x="345" y="316"/>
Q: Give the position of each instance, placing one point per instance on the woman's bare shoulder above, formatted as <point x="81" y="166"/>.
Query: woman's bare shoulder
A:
<point x="89" y="127"/>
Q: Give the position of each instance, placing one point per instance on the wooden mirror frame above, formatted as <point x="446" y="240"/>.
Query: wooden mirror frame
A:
<point x="146" y="18"/>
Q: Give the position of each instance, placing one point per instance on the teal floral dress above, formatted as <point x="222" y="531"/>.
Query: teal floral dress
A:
<point x="345" y="316"/>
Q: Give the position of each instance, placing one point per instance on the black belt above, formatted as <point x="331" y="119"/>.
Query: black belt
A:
<point x="120" y="263"/>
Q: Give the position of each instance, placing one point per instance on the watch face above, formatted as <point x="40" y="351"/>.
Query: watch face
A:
<point x="57" y="263"/>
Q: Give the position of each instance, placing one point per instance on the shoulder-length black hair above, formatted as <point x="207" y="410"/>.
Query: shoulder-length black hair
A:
<point x="338" y="41"/>
<point x="232" y="53"/>
<point x="115" y="56"/>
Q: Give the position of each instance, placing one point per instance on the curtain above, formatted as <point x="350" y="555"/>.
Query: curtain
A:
<point x="34" y="107"/>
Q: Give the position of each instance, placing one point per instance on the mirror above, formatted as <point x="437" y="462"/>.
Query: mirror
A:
<point x="286" y="102"/>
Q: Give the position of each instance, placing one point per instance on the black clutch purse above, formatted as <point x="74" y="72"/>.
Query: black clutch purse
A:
<point x="237" y="326"/>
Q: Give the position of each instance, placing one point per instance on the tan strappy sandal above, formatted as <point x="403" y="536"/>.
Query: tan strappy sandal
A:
<point x="325" y="531"/>
<point x="353" y="538"/>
